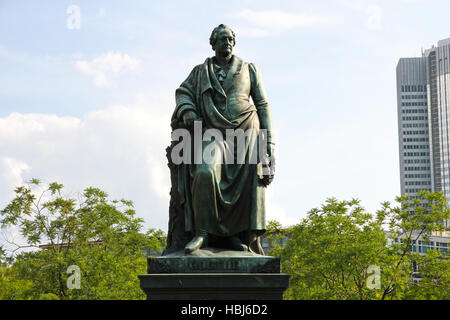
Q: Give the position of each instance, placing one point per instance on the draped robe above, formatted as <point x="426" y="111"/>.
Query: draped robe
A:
<point x="219" y="198"/>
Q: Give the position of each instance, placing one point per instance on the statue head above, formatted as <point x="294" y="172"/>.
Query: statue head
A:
<point x="222" y="39"/>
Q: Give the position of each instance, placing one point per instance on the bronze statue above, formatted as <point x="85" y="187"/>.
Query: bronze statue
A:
<point x="216" y="203"/>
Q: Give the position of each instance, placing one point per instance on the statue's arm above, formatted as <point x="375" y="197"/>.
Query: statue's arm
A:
<point x="259" y="97"/>
<point x="185" y="96"/>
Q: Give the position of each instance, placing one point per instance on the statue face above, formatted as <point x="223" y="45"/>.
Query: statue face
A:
<point x="224" y="43"/>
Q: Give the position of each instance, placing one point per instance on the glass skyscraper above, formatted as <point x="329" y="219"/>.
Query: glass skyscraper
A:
<point x="423" y="96"/>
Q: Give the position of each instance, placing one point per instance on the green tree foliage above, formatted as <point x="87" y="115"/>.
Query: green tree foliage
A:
<point x="338" y="251"/>
<point x="102" y="238"/>
<point x="275" y="233"/>
<point x="12" y="287"/>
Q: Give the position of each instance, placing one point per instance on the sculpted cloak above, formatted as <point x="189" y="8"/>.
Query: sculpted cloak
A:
<point x="224" y="199"/>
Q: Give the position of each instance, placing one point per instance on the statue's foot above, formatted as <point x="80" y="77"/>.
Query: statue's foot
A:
<point x="196" y="244"/>
<point x="235" y="243"/>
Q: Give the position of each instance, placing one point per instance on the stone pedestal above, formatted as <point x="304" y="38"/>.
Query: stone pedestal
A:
<point x="210" y="274"/>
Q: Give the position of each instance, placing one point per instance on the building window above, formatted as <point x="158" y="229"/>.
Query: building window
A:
<point x="265" y="243"/>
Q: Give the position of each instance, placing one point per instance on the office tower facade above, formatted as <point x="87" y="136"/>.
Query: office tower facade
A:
<point x="423" y="94"/>
<point x="415" y="162"/>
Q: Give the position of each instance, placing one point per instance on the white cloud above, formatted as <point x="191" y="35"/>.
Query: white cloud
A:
<point x="251" y="32"/>
<point x="11" y="174"/>
<point x="104" y="67"/>
<point x="267" y="22"/>
<point x="120" y="149"/>
<point x="275" y="211"/>
<point x="276" y="19"/>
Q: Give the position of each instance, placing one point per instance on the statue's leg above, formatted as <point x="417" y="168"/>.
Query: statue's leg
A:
<point x="200" y="240"/>
<point x="205" y="186"/>
<point x="203" y="202"/>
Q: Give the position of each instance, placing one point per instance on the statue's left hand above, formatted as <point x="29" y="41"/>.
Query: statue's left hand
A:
<point x="269" y="166"/>
<point x="270" y="149"/>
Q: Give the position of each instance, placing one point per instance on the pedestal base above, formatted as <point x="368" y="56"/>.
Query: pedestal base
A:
<point x="214" y="286"/>
<point x="213" y="275"/>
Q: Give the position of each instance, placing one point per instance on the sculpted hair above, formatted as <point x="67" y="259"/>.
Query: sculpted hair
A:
<point x="215" y="32"/>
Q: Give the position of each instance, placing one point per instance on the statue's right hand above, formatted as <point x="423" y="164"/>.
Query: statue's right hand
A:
<point x="188" y="118"/>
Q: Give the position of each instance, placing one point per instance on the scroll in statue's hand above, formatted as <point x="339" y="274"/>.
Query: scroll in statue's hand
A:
<point x="270" y="149"/>
<point x="268" y="166"/>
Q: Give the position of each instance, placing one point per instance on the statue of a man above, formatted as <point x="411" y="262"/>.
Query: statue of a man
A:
<point x="224" y="204"/>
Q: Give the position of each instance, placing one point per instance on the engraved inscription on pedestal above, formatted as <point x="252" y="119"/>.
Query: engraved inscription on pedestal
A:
<point x="213" y="265"/>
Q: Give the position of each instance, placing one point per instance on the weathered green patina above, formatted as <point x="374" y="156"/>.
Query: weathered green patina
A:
<point x="217" y="208"/>
<point x="221" y="201"/>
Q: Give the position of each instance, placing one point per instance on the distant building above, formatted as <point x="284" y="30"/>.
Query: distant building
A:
<point x="67" y="245"/>
<point x="266" y="243"/>
<point x="436" y="241"/>
<point x="423" y="106"/>
<point x="147" y="251"/>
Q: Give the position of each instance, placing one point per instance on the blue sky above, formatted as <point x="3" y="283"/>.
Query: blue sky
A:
<point x="91" y="106"/>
